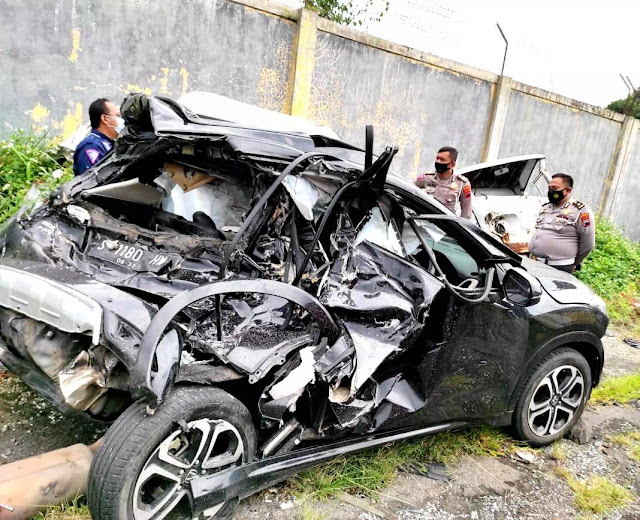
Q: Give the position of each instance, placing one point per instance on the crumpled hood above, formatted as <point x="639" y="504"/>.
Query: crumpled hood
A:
<point x="563" y="287"/>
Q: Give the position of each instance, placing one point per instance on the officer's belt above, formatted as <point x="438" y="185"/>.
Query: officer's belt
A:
<point x="557" y="261"/>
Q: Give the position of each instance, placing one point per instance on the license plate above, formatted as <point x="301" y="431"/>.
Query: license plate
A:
<point x="128" y="256"/>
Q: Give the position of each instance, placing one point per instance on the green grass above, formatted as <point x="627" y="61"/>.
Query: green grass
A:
<point x="631" y="441"/>
<point x="558" y="451"/>
<point x="27" y="159"/>
<point x="370" y="471"/>
<point x="599" y="495"/>
<point x="308" y="513"/>
<point x="612" y="270"/>
<point x="69" y="511"/>
<point x="617" y="390"/>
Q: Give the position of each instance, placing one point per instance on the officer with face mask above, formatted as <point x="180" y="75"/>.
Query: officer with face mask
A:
<point x="565" y="231"/>
<point x="451" y="189"/>
<point x="106" y="124"/>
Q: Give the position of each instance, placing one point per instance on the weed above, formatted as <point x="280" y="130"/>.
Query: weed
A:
<point x="27" y="159"/>
<point x="372" y="470"/>
<point x="630" y="440"/>
<point x="67" y="511"/>
<point x="557" y="451"/>
<point x="613" y="264"/>
<point x="308" y="513"/>
<point x="620" y="390"/>
<point x="613" y="271"/>
<point x="599" y="494"/>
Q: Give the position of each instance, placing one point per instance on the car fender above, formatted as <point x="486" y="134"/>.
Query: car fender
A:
<point x="168" y="357"/>
<point x="587" y="343"/>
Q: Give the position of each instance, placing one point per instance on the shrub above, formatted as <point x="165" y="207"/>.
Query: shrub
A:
<point x="613" y="271"/>
<point x="27" y="159"/>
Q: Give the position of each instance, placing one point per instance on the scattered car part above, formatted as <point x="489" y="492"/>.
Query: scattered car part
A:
<point x="31" y="485"/>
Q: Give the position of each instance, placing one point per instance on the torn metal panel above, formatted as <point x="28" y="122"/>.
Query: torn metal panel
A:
<point x="303" y="193"/>
<point x="396" y="296"/>
<point x="381" y="232"/>
<point x="81" y="383"/>
<point x="292" y="386"/>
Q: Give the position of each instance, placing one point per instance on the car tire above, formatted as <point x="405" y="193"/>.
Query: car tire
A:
<point x="139" y="462"/>
<point x="553" y="397"/>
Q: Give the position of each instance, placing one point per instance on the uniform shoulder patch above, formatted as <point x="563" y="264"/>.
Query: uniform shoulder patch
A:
<point x="578" y="204"/>
<point x="586" y="219"/>
<point x="93" y="155"/>
<point x="467" y="191"/>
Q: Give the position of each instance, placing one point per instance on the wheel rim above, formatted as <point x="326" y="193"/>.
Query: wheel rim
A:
<point x="201" y="447"/>
<point x="556" y="400"/>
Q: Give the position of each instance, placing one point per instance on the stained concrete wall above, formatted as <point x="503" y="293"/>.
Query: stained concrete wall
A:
<point x="59" y="56"/>
<point x="574" y="141"/>
<point x="415" y="105"/>
<point x="624" y="206"/>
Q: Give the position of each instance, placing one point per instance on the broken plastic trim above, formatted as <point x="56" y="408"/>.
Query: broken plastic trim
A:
<point x="242" y="481"/>
<point x="141" y="377"/>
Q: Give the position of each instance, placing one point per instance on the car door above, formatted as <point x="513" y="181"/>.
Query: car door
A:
<point x="469" y="355"/>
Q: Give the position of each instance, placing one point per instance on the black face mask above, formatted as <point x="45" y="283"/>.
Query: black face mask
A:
<point x="441" y="168"/>
<point x="555" y="196"/>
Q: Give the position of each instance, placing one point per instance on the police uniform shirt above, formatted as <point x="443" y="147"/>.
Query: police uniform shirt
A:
<point x="564" y="231"/>
<point x="90" y="150"/>
<point x="451" y="192"/>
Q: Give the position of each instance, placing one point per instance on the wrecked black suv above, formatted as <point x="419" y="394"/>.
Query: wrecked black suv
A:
<point x="249" y="303"/>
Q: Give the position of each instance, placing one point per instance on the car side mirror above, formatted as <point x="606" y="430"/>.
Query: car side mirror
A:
<point x="520" y="288"/>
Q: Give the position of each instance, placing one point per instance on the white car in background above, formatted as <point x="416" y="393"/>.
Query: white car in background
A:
<point x="507" y="197"/>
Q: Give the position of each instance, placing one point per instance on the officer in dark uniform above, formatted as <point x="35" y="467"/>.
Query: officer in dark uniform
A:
<point x="565" y="231"/>
<point x="106" y="124"/>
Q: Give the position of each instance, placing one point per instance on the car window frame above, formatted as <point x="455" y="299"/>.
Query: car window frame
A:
<point x="478" y="248"/>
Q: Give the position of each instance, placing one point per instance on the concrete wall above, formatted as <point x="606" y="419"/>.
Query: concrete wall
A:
<point x="415" y="105"/>
<point x="57" y="57"/>
<point x="575" y="141"/>
<point x="624" y="208"/>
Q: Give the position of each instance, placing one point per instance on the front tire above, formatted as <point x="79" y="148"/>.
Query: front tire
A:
<point x="142" y="467"/>
<point x="553" y="398"/>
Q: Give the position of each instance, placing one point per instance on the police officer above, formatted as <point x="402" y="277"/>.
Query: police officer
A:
<point x="565" y="231"/>
<point x="106" y="124"/>
<point x="451" y="189"/>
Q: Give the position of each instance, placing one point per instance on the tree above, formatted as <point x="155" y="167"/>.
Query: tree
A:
<point x="628" y="103"/>
<point x="349" y="12"/>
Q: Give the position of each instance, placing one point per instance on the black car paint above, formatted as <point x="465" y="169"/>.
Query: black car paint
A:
<point x="467" y="362"/>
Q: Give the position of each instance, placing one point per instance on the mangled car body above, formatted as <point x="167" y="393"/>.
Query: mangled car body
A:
<point x="250" y="302"/>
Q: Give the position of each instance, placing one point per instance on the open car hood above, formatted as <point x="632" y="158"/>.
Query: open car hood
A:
<point x="507" y="197"/>
<point x="503" y="176"/>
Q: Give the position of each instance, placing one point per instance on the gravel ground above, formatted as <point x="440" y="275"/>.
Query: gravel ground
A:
<point x="481" y="488"/>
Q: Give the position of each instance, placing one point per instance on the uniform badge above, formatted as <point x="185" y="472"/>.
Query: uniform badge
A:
<point x="566" y="211"/>
<point x="93" y="155"/>
<point x="586" y="220"/>
<point x="454" y="186"/>
<point x="467" y="191"/>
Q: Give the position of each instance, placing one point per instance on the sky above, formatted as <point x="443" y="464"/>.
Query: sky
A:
<point x="570" y="47"/>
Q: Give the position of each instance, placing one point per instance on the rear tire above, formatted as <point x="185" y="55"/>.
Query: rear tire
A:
<point x="140" y="469"/>
<point x="553" y="398"/>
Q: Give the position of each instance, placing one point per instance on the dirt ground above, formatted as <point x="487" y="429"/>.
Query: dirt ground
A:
<point x="480" y="488"/>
